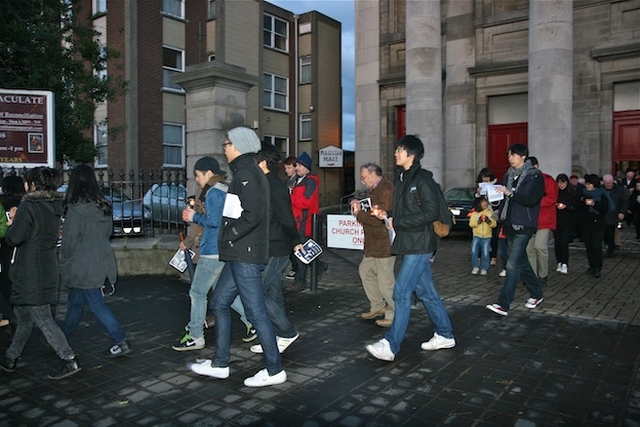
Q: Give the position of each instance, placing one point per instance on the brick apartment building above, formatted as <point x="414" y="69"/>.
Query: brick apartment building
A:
<point x="295" y="60"/>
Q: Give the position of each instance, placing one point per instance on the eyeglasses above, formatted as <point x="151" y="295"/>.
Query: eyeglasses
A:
<point x="226" y="143"/>
<point x="399" y="149"/>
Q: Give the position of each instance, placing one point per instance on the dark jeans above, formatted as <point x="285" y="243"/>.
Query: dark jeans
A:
<point x="95" y="301"/>
<point x="40" y="315"/>
<point x="238" y="278"/>
<point x="609" y="238"/>
<point x="593" y="237"/>
<point x="518" y="267"/>
<point x="273" y="298"/>
<point x="301" y="271"/>
<point x="562" y="237"/>
<point x="495" y="232"/>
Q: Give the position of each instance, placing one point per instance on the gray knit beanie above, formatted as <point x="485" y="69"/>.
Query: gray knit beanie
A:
<point x="244" y="139"/>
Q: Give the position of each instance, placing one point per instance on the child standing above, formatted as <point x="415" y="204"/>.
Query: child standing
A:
<point x="482" y="222"/>
<point x="34" y="270"/>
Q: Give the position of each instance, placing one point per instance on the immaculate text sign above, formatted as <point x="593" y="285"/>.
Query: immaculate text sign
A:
<point x="344" y="232"/>
<point x="26" y="128"/>
<point x="331" y="157"/>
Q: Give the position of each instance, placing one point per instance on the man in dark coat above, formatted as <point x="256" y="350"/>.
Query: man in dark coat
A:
<point x="620" y="197"/>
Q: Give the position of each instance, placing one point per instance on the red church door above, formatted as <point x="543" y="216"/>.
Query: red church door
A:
<point x="501" y="137"/>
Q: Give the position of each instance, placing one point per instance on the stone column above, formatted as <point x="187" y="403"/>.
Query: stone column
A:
<point x="216" y="101"/>
<point x="367" y="74"/>
<point x="462" y="158"/>
<point x="424" y="80"/>
<point x="551" y="84"/>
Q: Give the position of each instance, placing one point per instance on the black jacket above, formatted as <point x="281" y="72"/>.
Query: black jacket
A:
<point x="34" y="234"/>
<point x="566" y="216"/>
<point x="415" y="208"/>
<point x="283" y="233"/>
<point x="246" y="239"/>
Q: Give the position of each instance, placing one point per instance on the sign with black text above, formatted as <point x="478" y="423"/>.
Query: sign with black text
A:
<point x="331" y="157"/>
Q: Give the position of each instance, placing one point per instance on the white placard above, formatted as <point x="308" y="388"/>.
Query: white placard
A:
<point x="344" y="232"/>
<point x="331" y="157"/>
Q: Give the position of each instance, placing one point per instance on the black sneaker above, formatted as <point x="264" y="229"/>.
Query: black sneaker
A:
<point x="187" y="343"/>
<point x="7" y="365"/>
<point x="68" y="368"/>
<point x="118" y="350"/>
<point x="250" y="335"/>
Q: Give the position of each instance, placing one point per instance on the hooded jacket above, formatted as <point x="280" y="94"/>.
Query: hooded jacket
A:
<point x="209" y="217"/>
<point x="415" y="208"/>
<point x="283" y="234"/>
<point x="524" y="207"/>
<point x="86" y="256"/>
<point x="305" y="202"/>
<point x="34" y="234"/>
<point x="246" y="239"/>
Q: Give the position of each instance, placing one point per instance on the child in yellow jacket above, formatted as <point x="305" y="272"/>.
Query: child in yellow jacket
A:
<point x="482" y="221"/>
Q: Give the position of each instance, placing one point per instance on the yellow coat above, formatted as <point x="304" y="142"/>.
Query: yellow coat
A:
<point x="482" y="229"/>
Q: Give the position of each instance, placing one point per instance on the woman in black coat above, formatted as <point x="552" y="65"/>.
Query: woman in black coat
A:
<point x="34" y="271"/>
<point x="563" y="234"/>
<point x="594" y="205"/>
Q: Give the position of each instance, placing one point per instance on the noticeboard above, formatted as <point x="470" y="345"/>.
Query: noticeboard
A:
<point x="26" y="128"/>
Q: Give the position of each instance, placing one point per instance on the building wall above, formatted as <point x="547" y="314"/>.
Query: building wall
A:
<point x="606" y="51"/>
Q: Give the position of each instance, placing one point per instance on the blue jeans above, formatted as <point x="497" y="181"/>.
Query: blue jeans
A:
<point x="243" y="279"/>
<point x="415" y="275"/>
<point x="40" y="315"/>
<point x="205" y="277"/>
<point x="480" y="246"/>
<point x="95" y="301"/>
<point x="272" y="285"/>
<point x="518" y="267"/>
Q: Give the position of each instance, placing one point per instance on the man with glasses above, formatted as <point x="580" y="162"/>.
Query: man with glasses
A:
<point x="376" y="267"/>
<point x="415" y="209"/>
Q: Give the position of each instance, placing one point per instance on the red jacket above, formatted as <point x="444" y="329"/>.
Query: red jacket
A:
<point x="305" y="203"/>
<point x="548" y="211"/>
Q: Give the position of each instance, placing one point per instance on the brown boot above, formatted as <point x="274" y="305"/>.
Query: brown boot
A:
<point x="372" y="314"/>
<point x="384" y="323"/>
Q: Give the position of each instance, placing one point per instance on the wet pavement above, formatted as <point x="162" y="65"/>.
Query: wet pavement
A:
<point x="573" y="361"/>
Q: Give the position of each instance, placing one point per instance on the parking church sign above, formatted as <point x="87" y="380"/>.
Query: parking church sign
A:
<point x="331" y="157"/>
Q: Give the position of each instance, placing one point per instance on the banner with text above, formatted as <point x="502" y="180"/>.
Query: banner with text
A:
<point x="26" y="128"/>
<point x="344" y="232"/>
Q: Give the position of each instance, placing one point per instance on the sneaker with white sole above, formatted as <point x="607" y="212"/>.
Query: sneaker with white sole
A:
<point x="496" y="308"/>
<point x="381" y="350"/>
<point x="533" y="303"/>
<point x="564" y="269"/>
<point x="118" y="350"/>
<point x="250" y="335"/>
<point x="283" y="344"/>
<point x="187" y="342"/>
<point x="503" y="273"/>
<point x="475" y="270"/>
<point x="205" y="368"/>
<point x="263" y="379"/>
<point x="437" y="342"/>
<point x="559" y="267"/>
<point x="483" y="272"/>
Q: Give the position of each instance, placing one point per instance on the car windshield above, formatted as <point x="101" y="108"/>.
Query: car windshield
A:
<point x="114" y="194"/>
<point x="460" y="194"/>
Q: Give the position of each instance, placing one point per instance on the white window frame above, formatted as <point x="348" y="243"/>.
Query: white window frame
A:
<point x="211" y="10"/>
<point x="305" y="127"/>
<point x="271" y="95"/>
<point x="99" y="7"/>
<point x="305" y="70"/>
<point x="168" y="8"/>
<point x="101" y="142"/>
<point x="271" y="35"/>
<point x="168" y="70"/>
<point x="280" y="142"/>
<point x="173" y="144"/>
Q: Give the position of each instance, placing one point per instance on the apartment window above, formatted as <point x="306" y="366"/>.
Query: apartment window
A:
<point x="173" y="144"/>
<point x="305" y="127"/>
<point x="101" y="68"/>
<point x="280" y="142"/>
<point x="101" y="140"/>
<point x="212" y="9"/>
<point x="305" y="69"/>
<point x="173" y="7"/>
<point x="275" y="33"/>
<point x="172" y="63"/>
<point x="99" y="6"/>
<point x="275" y="92"/>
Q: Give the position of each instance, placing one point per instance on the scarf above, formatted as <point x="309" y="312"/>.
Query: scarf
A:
<point x="512" y="175"/>
<point x="597" y="194"/>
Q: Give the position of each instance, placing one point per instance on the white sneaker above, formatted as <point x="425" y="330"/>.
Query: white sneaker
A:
<point x="438" y="342"/>
<point x="283" y="344"/>
<point x="559" y="269"/>
<point x="263" y="379"/>
<point x="475" y="270"/>
<point x="483" y="272"/>
<point x="533" y="303"/>
<point x="381" y="350"/>
<point x="564" y="269"/>
<point x="503" y="273"/>
<point x="205" y="368"/>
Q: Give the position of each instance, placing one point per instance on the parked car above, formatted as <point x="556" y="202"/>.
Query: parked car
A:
<point x="129" y="216"/>
<point x="460" y="201"/>
<point x="165" y="202"/>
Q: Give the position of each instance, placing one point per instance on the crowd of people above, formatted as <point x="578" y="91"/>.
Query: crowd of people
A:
<point x="245" y="231"/>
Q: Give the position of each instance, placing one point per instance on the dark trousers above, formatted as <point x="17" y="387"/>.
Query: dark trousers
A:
<point x="609" y="238"/>
<point x="563" y="236"/>
<point x="593" y="236"/>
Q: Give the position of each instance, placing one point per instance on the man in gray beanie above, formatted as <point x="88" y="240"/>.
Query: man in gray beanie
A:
<point x="243" y="244"/>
